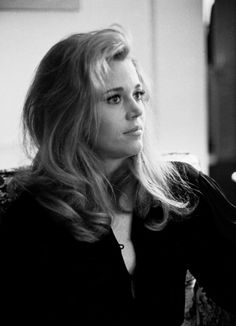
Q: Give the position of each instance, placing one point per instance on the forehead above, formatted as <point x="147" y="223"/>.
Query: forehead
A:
<point x="121" y="73"/>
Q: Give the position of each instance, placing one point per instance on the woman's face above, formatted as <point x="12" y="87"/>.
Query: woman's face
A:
<point x="121" y="113"/>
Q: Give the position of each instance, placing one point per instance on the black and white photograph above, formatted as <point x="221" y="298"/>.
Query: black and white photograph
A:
<point x="118" y="162"/>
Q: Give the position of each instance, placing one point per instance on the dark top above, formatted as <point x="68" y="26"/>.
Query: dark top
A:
<point x="49" y="277"/>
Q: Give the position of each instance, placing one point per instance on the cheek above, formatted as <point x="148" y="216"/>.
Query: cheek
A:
<point x="105" y="129"/>
<point x="108" y="133"/>
<point x="110" y="125"/>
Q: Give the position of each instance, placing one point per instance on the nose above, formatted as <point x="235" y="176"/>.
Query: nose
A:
<point x="134" y="110"/>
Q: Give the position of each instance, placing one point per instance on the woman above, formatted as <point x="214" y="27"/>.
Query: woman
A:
<point x="103" y="231"/>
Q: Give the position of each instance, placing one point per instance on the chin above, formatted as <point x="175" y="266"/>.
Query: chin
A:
<point x="135" y="150"/>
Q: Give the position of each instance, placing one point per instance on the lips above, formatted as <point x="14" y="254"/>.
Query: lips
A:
<point x="133" y="130"/>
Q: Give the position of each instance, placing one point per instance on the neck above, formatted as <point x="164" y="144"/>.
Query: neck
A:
<point x="111" y="165"/>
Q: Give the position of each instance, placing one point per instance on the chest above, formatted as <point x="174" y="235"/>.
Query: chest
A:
<point x="98" y="274"/>
<point x="121" y="228"/>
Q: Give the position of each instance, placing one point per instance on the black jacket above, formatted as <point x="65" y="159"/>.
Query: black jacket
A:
<point x="48" y="277"/>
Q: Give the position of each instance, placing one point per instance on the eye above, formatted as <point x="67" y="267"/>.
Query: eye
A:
<point x="114" y="99"/>
<point x="138" y="95"/>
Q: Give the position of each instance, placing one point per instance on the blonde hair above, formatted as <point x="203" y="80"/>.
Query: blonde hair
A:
<point x="60" y="121"/>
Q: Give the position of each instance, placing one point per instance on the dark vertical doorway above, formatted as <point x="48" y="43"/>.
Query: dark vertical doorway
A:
<point x="221" y="44"/>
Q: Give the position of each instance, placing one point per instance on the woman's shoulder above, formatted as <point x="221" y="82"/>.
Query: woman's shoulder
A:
<point x="20" y="210"/>
<point x="187" y="171"/>
<point x="22" y="201"/>
<point x="185" y="179"/>
<point x="25" y="214"/>
<point x="27" y="223"/>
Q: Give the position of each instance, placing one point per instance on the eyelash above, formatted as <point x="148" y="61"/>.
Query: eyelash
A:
<point x="110" y="99"/>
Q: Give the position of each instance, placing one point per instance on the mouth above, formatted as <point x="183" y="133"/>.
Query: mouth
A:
<point x="134" y="131"/>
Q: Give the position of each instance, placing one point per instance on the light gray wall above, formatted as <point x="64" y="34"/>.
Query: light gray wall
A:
<point x="180" y="77"/>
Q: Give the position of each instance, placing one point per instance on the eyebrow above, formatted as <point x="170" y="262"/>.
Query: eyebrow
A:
<point x="120" y="89"/>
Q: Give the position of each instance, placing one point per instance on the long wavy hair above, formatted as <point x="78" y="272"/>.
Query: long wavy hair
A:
<point x="60" y="124"/>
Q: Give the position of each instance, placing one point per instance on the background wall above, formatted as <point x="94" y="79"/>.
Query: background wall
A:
<point x="180" y="72"/>
<point x="168" y="41"/>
